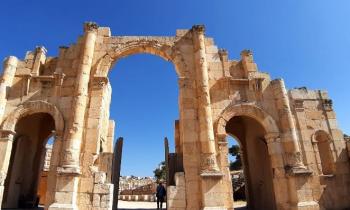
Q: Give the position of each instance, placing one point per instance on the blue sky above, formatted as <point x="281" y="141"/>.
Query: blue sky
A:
<point x="305" y="42"/>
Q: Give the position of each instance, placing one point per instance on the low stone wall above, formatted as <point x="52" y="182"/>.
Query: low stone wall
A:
<point x="176" y="194"/>
<point x="102" y="192"/>
<point x="147" y="198"/>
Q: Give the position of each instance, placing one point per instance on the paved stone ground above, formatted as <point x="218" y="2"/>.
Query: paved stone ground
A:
<point x="123" y="205"/>
<point x="128" y="205"/>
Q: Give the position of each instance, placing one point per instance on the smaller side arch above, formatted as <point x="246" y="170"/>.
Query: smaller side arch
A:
<point x="322" y="143"/>
<point x="33" y="107"/>
<point x="321" y="136"/>
<point x="249" y="110"/>
<point x="8" y="129"/>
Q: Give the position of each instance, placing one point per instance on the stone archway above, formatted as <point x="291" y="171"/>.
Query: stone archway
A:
<point x="44" y="118"/>
<point x="159" y="48"/>
<point x="165" y="49"/>
<point x="32" y="107"/>
<point x="252" y="128"/>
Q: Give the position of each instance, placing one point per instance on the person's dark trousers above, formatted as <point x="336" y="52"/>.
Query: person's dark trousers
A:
<point x="160" y="203"/>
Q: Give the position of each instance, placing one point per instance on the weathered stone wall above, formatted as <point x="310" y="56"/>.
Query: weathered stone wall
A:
<point x="306" y="150"/>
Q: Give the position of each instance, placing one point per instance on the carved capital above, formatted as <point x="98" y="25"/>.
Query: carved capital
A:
<point x="198" y="28"/>
<point x="327" y="104"/>
<point x="40" y="49"/>
<point x="90" y="27"/>
<point x="7" y="135"/>
<point x="294" y="165"/>
<point x="209" y="166"/>
<point x="59" y="78"/>
<point x="246" y="52"/>
<point x="299" y="105"/>
<point x="223" y="52"/>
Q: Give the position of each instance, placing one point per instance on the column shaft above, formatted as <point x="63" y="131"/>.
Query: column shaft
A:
<point x="72" y="144"/>
<point x="206" y="132"/>
<point x="6" y="142"/>
<point x="289" y="134"/>
<point x="10" y="65"/>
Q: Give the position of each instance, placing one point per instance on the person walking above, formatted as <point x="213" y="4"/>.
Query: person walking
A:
<point x="160" y="194"/>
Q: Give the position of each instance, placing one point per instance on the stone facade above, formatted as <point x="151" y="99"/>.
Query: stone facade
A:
<point x="294" y="155"/>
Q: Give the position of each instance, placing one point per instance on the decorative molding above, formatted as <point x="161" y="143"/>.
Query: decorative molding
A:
<point x="90" y="26"/>
<point x="299" y="105"/>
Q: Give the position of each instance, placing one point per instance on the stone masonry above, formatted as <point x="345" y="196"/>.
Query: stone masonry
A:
<point x="294" y="154"/>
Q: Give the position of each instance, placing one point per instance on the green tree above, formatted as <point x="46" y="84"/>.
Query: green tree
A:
<point x="235" y="151"/>
<point x="160" y="171"/>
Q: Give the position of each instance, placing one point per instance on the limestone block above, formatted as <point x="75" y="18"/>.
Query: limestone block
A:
<point x="106" y="201"/>
<point x="209" y="41"/>
<point x="86" y="185"/>
<point x="177" y="203"/>
<point x="64" y="197"/>
<point x="100" y="178"/>
<point x="93" y="123"/>
<point x="103" y="188"/>
<point x="176" y="193"/>
<point x="333" y="123"/>
<point x="96" y="200"/>
<point x="211" y="49"/>
<point x="213" y="57"/>
<point x="180" y="179"/>
<point x="275" y="148"/>
<point x="65" y="184"/>
<point x="84" y="199"/>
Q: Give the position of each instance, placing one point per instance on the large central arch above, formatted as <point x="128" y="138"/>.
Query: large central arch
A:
<point x="126" y="46"/>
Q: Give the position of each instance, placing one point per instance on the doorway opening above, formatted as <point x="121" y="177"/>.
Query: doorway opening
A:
<point x="256" y="165"/>
<point x="24" y="179"/>
<point x="144" y="106"/>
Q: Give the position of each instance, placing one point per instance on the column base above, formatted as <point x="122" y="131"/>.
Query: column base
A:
<point x="61" y="206"/>
<point x="212" y="174"/>
<point x="295" y="171"/>
<point x="215" y="208"/>
<point x="308" y="205"/>
<point x="68" y="169"/>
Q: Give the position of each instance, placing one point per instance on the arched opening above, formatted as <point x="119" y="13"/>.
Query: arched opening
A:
<point x="144" y="106"/>
<point x="236" y="171"/>
<point x="256" y="163"/>
<point x="27" y="161"/>
<point x="323" y="153"/>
